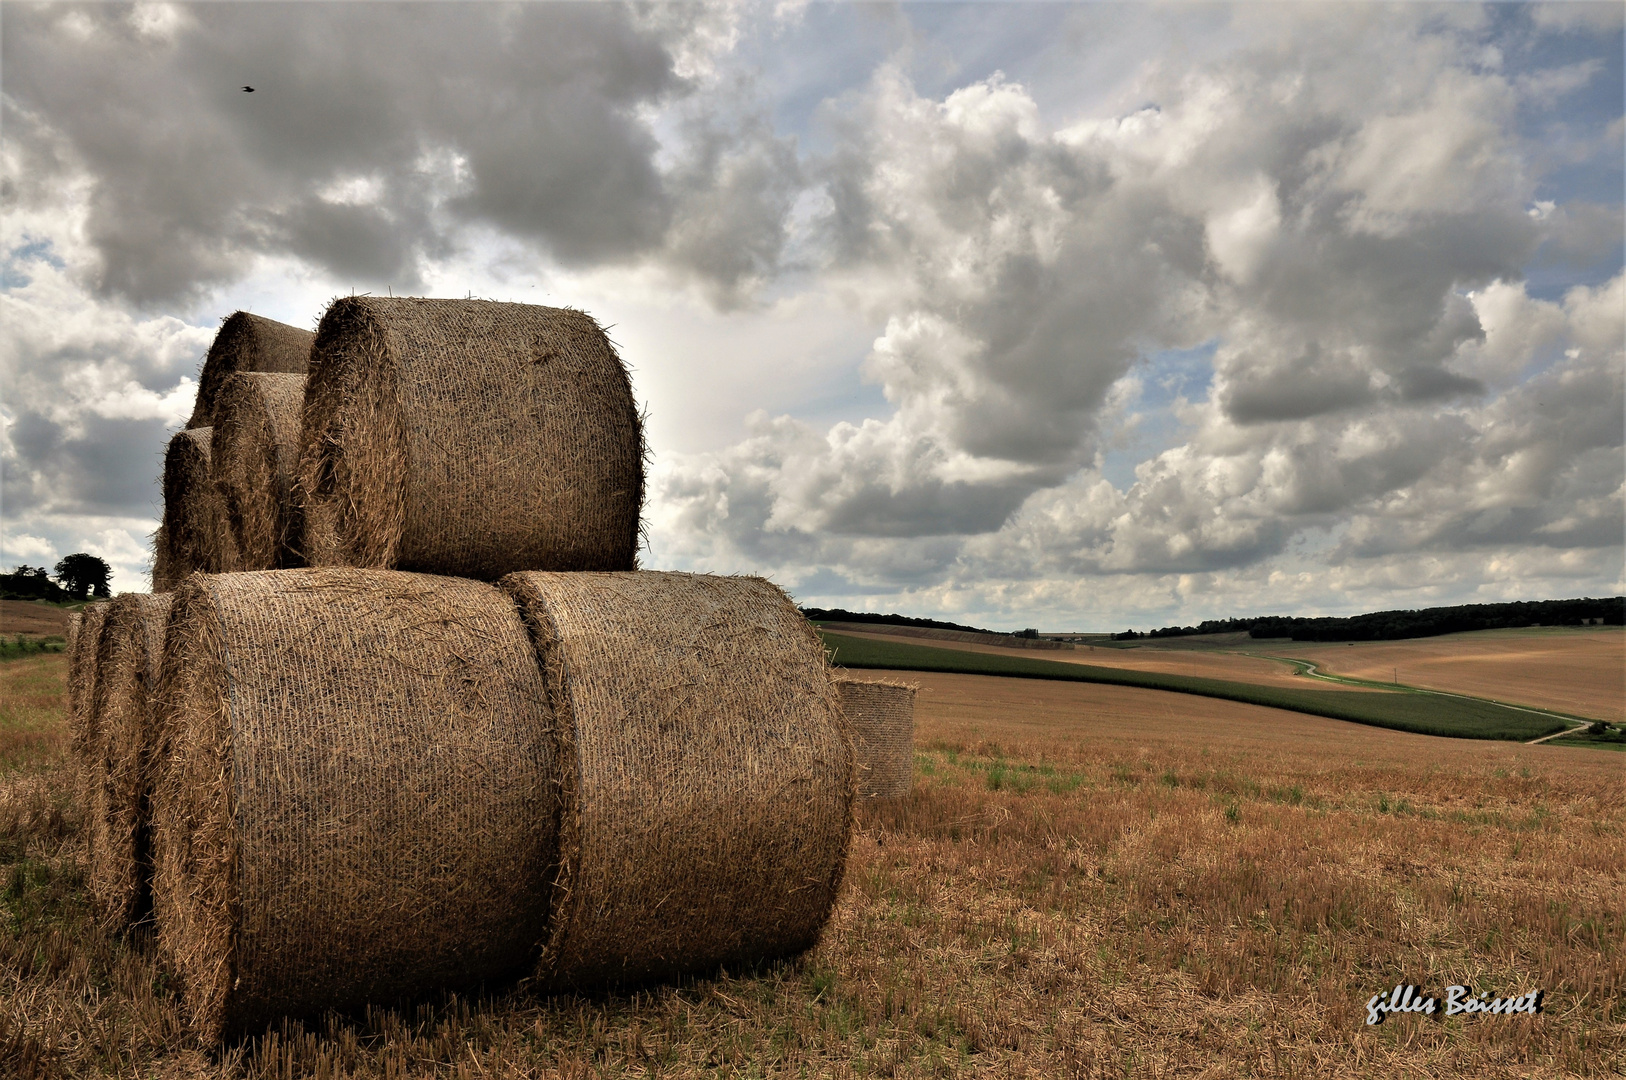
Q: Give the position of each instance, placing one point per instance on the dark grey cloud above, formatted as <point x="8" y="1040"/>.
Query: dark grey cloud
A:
<point x="375" y="131"/>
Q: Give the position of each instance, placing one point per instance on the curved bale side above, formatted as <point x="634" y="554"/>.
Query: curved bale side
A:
<point x="248" y="342"/>
<point x="162" y="579"/>
<point x="882" y="717"/>
<point x="83" y="673"/>
<point x="706" y="774"/>
<point x="253" y="454"/>
<point x="358" y="801"/>
<point x="190" y="537"/>
<point x="118" y="844"/>
<point x="470" y="438"/>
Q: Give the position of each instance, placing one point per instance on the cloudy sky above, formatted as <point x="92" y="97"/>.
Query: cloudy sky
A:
<point x="1078" y="316"/>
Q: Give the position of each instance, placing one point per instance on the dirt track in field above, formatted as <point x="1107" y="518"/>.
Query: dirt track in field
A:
<point x="1574" y="670"/>
<point x="1207" y="665"/>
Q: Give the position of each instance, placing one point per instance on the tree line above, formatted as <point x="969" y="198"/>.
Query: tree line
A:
<point x="78" y="577"/>
<point x="1424" y="622"/>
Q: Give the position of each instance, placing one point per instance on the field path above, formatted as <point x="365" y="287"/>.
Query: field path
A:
<point x="1308" y="668"/>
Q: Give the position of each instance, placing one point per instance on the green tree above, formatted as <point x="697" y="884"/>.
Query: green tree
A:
<point x="81" y="574"/>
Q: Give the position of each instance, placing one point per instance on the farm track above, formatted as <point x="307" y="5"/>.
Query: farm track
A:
<point x="1308" y="668"/>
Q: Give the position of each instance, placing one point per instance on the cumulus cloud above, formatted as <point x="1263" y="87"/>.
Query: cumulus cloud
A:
<point x="1343" y="213"/>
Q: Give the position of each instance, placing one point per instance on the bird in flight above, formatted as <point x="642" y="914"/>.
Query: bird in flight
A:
<point x="248" y="89"/>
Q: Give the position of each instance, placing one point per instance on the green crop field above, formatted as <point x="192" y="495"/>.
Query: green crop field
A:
<point x="1423" y="713"/>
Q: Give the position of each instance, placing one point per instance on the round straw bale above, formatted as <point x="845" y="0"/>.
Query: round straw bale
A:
<point x="468" y="437"/>
<point x="117" y="839"/>
<point x="162" y="579"/>
<point x="705" y="768"/>
<point x="248" y="343"/>
<point x="190" y="537"/>
<point x="82" y="677"/>
<point x="882" y="717"/>
<point x="358" y="802"/>
<point x="253" y="455"/>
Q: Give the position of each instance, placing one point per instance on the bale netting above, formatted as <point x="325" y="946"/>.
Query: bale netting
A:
<point x="468" y="437"/>
<point x="358" y="802"/>
<point x="882" y="717"/>
<point x="119" y="865"/>
<point x="82" y="677"/>
<point x="254" y="452"/>
<point x="706" y="774"/>
<point x="248" y="343"/>
<point x="190" y="537"/>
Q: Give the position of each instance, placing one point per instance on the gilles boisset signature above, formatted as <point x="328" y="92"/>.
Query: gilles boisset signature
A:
<point x="1458" y="999"/>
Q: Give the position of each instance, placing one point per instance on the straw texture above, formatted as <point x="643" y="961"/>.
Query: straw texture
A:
<point x="882" y="717"/>
<point x="254" y="452"/>
<point x="82" y="677"/>
<point x="191" y="536"/>
<point x="358" y="803"/>
<point x="468" y="437"/>
<point x="706" y="774"/>
<point x="119" y="865"/>
<point x="248" y="343"/>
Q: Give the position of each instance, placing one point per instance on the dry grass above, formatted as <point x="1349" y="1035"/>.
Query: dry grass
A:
<point x="1087" y="881"/>
<point x="1574" y="670"/>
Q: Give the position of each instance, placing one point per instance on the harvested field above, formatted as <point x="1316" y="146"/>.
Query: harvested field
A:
<point x="1576" y="670"/>
<point x="1209" y="665"/>
<point x="33" y="619"/>
<point x="1087" y="881"/>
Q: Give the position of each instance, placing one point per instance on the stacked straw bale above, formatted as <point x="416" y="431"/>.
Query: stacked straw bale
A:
<point x="82" y="677"/>
<point x="253" y="453"/>
<point x="882" y="717"/>
<point x="468" y="437"/>
<point x="117" y="815"/>
<point x="247" y="343"/>
<point x="192" y="536"/>
<point x="706" y="774"/>
<point x="358" y="804"/>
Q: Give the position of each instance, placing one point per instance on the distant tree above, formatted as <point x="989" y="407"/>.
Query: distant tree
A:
<point x="30" y="583"/>
<point x="82" y="574"/>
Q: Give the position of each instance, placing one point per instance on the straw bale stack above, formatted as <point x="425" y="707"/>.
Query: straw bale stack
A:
<point x="253" y="454"/>
<point x="247" y="343"/>
<point x="706" y="773"/>
<point x="117" y="814"/>
<point x="82" y="676"/>
<point x="191" y="535"/>
<point x="358" y="804"/>
<point x="882" y="717"/>
<point x="468" y="437"/>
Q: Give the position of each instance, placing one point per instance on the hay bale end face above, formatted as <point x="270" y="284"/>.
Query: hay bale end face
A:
<point x="191" y="535"/>
<point x="253" y="454"/>
<point x="882" y="717"/>
<point x="358" y="804"/>
<point x="468" y="437"/>
<point x="82" y="678"/>
<point x="248" y="343"/>
<point x="706" y="773"/>
<point x="119" y="861"/>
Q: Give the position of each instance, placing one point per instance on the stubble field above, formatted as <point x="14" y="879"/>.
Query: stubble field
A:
<point x="1087" y="880"/>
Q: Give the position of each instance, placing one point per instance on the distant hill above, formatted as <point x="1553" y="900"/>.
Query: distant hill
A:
<point x="843" y="615"/>
<point x="1424" y="622"/>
